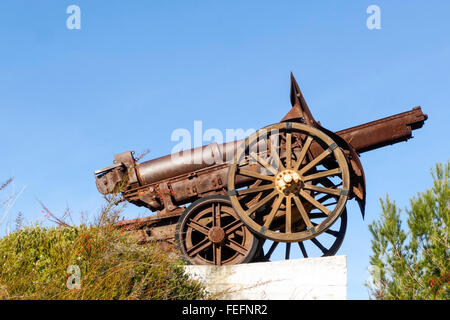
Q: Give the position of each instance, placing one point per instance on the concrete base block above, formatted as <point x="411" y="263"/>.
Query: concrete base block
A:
<point x="301" y="279"/>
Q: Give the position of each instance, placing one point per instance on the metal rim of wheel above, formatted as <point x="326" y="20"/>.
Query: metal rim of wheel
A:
<point x="210" y="232"/>
<point x="292" y="183"/>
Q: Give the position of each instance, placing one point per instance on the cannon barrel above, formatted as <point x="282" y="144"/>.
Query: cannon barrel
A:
<point x="383" y="132"/>
<point x="186" y="161"/>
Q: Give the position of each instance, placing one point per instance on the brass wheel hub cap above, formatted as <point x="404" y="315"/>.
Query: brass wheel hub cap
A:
<point x="288" y="182"/>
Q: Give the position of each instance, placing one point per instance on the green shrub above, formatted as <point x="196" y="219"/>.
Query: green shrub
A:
<point x="413" y="261"/>
<point x="34" y="264"/>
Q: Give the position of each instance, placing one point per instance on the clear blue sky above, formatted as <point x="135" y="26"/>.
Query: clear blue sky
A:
<point x="137" y="70"/>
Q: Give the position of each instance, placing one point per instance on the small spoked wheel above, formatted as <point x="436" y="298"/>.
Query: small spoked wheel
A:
<point x="210" y="232"/>
<point x="288" y="163"/>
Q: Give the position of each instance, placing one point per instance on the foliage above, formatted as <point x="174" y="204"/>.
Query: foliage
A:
<point x="413" y="263"/>
<point x="34" y="264"/>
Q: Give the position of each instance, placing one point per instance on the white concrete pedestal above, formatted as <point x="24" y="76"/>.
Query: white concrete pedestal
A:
<point x="301" y="279"/>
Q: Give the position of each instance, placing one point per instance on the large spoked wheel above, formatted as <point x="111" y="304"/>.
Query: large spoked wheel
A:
<point x="210" y="232"/>
<point x="288" y="163"/>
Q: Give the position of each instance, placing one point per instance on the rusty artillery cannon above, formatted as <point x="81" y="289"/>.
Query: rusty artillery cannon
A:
<point x="286" y="183"/>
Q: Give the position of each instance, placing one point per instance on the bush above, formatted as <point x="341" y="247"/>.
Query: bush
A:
<point x="34" y="264"/>
<point x="413" y="262"/>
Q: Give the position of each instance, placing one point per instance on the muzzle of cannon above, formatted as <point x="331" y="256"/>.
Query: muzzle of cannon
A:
<point x="288" y="182"/>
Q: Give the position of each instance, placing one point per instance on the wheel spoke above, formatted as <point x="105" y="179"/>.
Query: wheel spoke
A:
<point x="317" y="215"/>
<point x="319" y="245"/>
<point x="256" y="175"/>
<point x="229" y="228"/>
<point x="303" y="213"/>
<point x="275" y="207"/>
<point x="288" y="250"/>
<point x="216" y="214"/>
<point x="217" y="254"/>
<point x="236" y="247"/>
<point x="335" y="192"/>
<point x="289" y="214"/>
<point x="262" y="202"/>
<point x="271" y="249"/>
<point x="199" y="247"/>
<point x="198" y="227"/>
<point x="256" y="189"/>
<point x="314" y="202"/>
<point x="262" y="162"/>
<point x="288" y="150"/>
<point x="325" y="198"/>
<point x="302" y="248"/>
<point x="315" y="161"/>
<point x="274" y="154"/>
<point x="239" y="233"/>
<point x="322" y="174"/>
<point x="333" y="232"/>
<point x="329" y="231"/>
<point x="302" y="155"/>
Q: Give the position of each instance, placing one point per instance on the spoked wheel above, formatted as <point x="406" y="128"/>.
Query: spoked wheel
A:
<point x="210" y="232"/>
<point x="291" y="163"/>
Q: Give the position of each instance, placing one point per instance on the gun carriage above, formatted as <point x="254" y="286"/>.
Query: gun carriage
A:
<point x="287" y="183"/>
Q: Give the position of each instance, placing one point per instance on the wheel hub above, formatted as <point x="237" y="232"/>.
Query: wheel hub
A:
<point x="288" y="182"/>
<point x="216" y="235"/>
